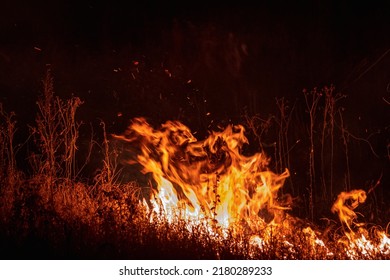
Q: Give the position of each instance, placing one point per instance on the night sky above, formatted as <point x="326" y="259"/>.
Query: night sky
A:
<point x="195" y="57"/>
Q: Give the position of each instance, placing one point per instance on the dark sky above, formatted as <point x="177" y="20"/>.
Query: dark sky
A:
<point x="249" y="52"/>
<point x="356" y="26"/>
<point x="83" y="21"/>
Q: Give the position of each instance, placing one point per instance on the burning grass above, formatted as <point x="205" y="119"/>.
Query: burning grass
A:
<point x="114" y="224"/>
<point x="196" y="199"/>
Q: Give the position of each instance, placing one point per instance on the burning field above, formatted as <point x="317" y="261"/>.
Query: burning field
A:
<point x="191" y="199"/>
<point x="211" y="186"/>
<point x="216" y="132"/>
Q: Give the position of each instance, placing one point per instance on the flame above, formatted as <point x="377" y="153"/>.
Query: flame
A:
<point x="345" y="205"/>
<point x="209" y="179"/>
<point x="212" y="183"/>
<point x="316" y="243"/>
<point x="358" y="242"/>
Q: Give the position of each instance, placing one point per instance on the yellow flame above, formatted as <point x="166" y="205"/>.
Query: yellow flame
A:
<point x="358" y="241"/>
<point x="210" y="178"/>
<point x="211" y="182"/>
<point x="345" y="205"/>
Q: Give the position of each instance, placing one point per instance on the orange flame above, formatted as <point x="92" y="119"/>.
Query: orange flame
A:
<point x="358" y="241"/>
<point x="209" y="179"/>
<point x="345" y="205"/>
<point x="211" y="182"/>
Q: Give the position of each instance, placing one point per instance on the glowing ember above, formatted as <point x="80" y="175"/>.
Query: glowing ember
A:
<point x="359" y="244"/>
<point x="315" y="242"/>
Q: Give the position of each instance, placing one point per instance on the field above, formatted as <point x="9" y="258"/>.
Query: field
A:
<point x="160" y="193"/>
<point x="191" y="130"/>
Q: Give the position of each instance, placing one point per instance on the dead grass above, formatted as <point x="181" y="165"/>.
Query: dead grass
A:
<point x="114" y="225"/>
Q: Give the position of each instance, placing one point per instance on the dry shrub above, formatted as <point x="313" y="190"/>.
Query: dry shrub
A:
<point x="74" y="202"/>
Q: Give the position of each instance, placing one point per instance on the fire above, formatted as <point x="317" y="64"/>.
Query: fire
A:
<point x="358" y="241"/>
<point x="212" y="183"/>
<point x="346" y="211"/>
<point x="208" y="179"/>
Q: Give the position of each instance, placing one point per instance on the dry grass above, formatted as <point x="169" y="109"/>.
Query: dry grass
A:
<point x="114" y="225"/>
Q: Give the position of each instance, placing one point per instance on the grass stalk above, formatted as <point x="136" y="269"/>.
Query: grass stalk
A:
<point x="312" y="99"/>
